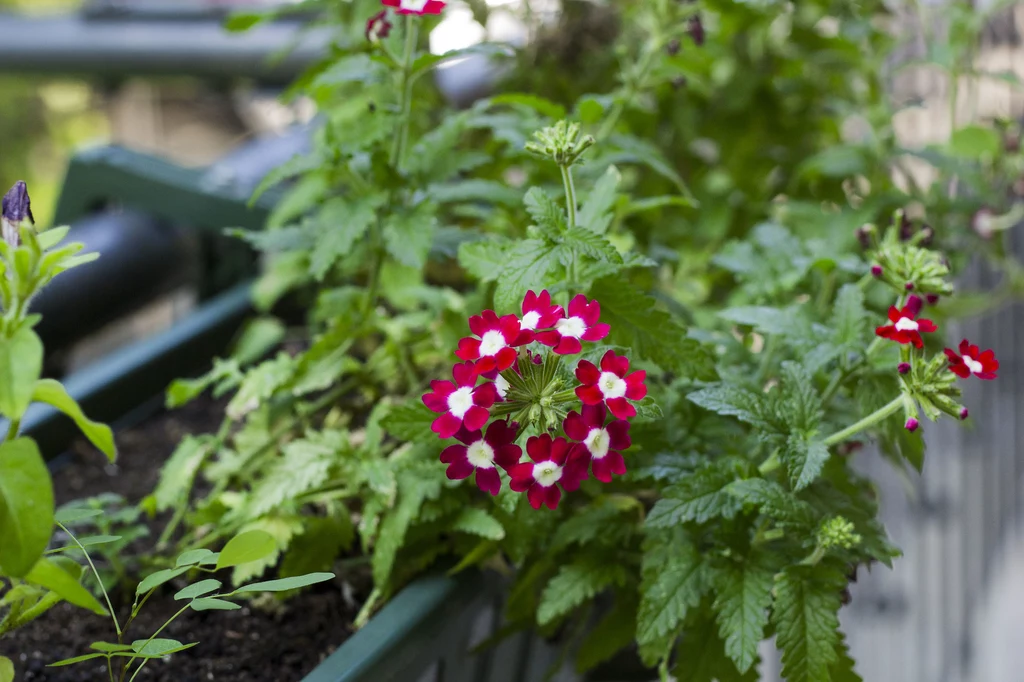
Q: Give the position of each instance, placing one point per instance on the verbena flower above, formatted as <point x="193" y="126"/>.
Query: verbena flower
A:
<point x="580" y="323"/>
<point x="905" y="327"/>
<point x="600" y="444"/>
<point x="611" y="384"/>
<point x="971" y="360"/>
<point x="462" y="403"/>
<point x="539" y="313"/>
<point x="16" y="207"/>
<point x="416" y="6"/>
<point x="483" y="454"/>
<point x="493" y="346"/>
<point x="551" y="467"/>
<point x="378" y="27"/>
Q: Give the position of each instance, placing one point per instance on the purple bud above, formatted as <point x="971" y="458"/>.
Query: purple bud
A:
<point x="911" y="425"/>
<point x="673" y="47"/>
<point x="903" y="367"/>
<point x="696" y="30"/>
<point x="863" y="234"/>
<point x="963" y="413"/>
<point x="909" y="286"/>
<point x="906" y="228"/>
<point x="932" y="298"/>
<point x="876" y="270"/>
<point x="16" y="204"/>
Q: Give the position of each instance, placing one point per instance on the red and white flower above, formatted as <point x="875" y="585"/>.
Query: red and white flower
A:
<point x="462" y="403"/>
<point x="416" y="6"/>
<point x="599" y="444"/>
<point x="493" y="346"/>
<point x="580" y="323"/>
<point x="550" y="468"/>
<point x="483" y="454"/>
<point x="539" y="313"/>
<point x="378" y="27"/>
<point x="971" y="360"/>
<point x="905" y="327"/>
<point x="611" y="384"/>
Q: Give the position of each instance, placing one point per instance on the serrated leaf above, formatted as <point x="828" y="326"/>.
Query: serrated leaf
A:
<point x="260" y="383"/>
<point x="807" y="626"/>
<point x="744" y="595"/>
<point x="849" y="319"/>
<point x="410" y="422"/>
<point x="475" y="190"/>
<point x="179" y="471"/>
<point x="767" y="320"/>
<point x="199" y="589"/>
<point x="701" y="655"/>
<point x="801" y="402"/>
<point x="583" y="241"/>
<point x="409" y="236"/>
<point x="651" y="333"/>
<point x="774" y="501"/>
<point x="731" y="401"/>
<point x="699" y="497"/>
<point x="843" y="670"/>
<point x="595" y="215"/>
<point x="675" y="577"/>
<point x="574" y="584"/>
<point x="305" y="465"/>
<point x="526" y="267"/>
<point x="414" y="489"/>
<point x="478" y="522"/>
<point x="484" y="259"/>
<point x="546" y="214"/>
<point x="340" y="224"/>
<point x="804" y="460"/>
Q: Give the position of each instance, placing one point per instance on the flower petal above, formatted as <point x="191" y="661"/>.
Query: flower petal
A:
<point x="485" y="395"/>
<point x="488" y="480"/>
<point x="476" y="417"/>
<point x="551" y="496"/>
<point x="548" y="338"/>
<point x="536" y="495"/>
<point x="621" y="408"/>
<point x="587" y="373"/>
<point x="926" y="326"/>
<point x="595" y="415"/>
<point x="521" y="476"/>
<point x="446" y="425"/>
<point x="597" y="332"/>
<point x="568" y="346"/>
<point x="459" y="470"/>
<point x="453" y="453"/>
<point x="464" y="374"/>
<point x="575" y="427"/>
<point x="590" y="395"/>
<point x="539" y="448"/>
<point x="635" y="387"/>
<point x="618" y="435"/>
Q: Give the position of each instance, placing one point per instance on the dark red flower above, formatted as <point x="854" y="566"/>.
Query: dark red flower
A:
<point x="599" y="444"/>
<point x="378" y="27"/>
<point x="972" y="361"/>
<point x="611" y="385"/>
<point x="492" y="348"/>
<point x="905" y="327"/>
<point x="462" y="403"/>
<point x="551" y="467"/>
<point x="580" y="323"/>
<point x="416" y="6"/>
<point x="482" y="453"/>
<point x="539" y="313"/>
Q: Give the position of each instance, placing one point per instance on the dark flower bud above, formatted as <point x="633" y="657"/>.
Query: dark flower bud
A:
<point x="16" y="208"/>
<point x="909" y="286"/>
<point x="673" y="47"/>
<point x="679" y="82"/>
<point x="964" y="413"/>
<point x="906" y="228"/>
<point x="927" y="235"/>
<point x="863" y="234"/>
<point x="903" y="367"/>
<point x="696" y="30"/>
<point x="932" y="298"/>
<point x="912" y="425"/>
<point x="876" y="270"/>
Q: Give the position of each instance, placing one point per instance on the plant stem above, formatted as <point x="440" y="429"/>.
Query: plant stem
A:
<point x="771" y="464"/>
<point x="13" y="428"/>
<point x="412" y="30"/>
<point x="96" y="573"/>
<point x="151" y="638"/>
<point x="570" y="194"/>
<point x="867" y="422"/>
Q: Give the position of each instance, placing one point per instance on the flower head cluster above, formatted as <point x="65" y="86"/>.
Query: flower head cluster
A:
<point x="570" y="429"/>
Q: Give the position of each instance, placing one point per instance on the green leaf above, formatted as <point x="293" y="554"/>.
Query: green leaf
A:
<point x="974" y="142"/>
<point x="595" y="214"/>
<point x="541" y="105"/>
<point x="51" y="576"/>
<point x="484" y="260"/>
<point x="613" y="633"/>
<point x="109" y="648"/>
<point x="804" y="461"/>
<point x="526" y="267"/>
<point x="260" y="383"/>
<point x="849" y="318"/>
<point x="651" y="333"/>
<point x="258" y="338"/>
<point x="197" y="556"/>
<point x="843" y="669"/>
<point x="582" y="240"/>
<point x="26" y="506"/>
<point x="477" y="191"/>
<point x="744" y="595"/>
<point x="69" y="514"/>
<point x="731" y="401"/>
<point x="340" y="224"/>
<point x="211" y="604"/>
<point x="699" y="497"/>
<point x="410" y="422"/>
<point x="807" y="626"/>
<point x="94" y="540"/>
<point x="305" y="465"/>
<point x="243" y="21"/>
<point x="199" y="589"/>
<point x="285" y="584"/>
<point x="674" y="578"/>
<point x="774" y="501"/>
<point x="159" y="578"/>
<point x="701" y="655"/>
<point x="574" y="584"/>
<point x="179" y="471"/>
<point x="6" y="669"/>
<point x="546" y="214"/>
<point x="409" y="236"/>
<point x="53" y="393"/>
<point x="72" y="661"/>
<point x="767" y="320"/>
<point x="478" y="522"/>
<point x="21" y="362"/>
<point x="252" y="545"/>
<point x="414" y="488"/>
<point x="158" y="647"/>
<point x="321" y="541"/>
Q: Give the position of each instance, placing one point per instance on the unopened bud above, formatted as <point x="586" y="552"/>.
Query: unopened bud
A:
<point x="378" y="27"/>
<point x="964" y="413"/>
<point x="696" y="30"/>
<point x="903" y="367"/>
<point x="876" y="270"/>
<point x="16" y="208"/>
<point x="981" y="223"/>
<point x="673" y="47"/>
<point x="927" y="235"/>
<point x="864" y="233"/>
<point x="932" y="298"/>
<point x="912" y="425"/>
<point x="909" y="286"/>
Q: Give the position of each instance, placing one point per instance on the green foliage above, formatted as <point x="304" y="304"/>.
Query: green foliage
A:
<point x="806" y="602"/>
<point x="574" y="584"/>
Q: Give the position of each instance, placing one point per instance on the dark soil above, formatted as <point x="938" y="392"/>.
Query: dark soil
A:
<point x="263" y="642"/>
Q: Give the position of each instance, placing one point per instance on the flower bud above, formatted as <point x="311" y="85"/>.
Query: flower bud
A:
<point x="673" y="47"/>
<point x="964" y="413"/>
<point x="696" y="30"/>
<point x="378" y="27"/>
<point x="876" y="270"/>
<point x="903" y="367"/>
<point x="932" y="298"/>
<point x="16" y="207"/>
<point x="927" y="236"/>
<point x="864" y="234"/>
<point x="909" y="286"/>
<point x="912" y="425"/>
<point x="906" y="227"/>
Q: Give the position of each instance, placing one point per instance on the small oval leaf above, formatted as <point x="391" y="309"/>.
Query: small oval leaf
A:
<point x="159" y="578"/>
<point x="285" y="584"/>
<point x="53" y="393"/>
<point x="6" y="669"/>
<point x="76" y="659"/>
<point x="26" y="507"/>
<point x="193" y="557"/>
<point x="157" y="647"/>
<point x="198" y="589"/>
<point x="69" y="515"/>
<point x="211" y="604"/>
<point x="108" y="647"/>
<point x="252" y="545"/>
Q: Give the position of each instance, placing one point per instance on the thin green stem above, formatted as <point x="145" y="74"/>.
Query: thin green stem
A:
<point x="867" y="422"/>
<point x="771" y="464"/>
<point x="13" y="428"/>
<point x="99" y="580"/>
<point x="412" y="30"/>
<point x="570" y="194"/>
<point x="151" y="638"/>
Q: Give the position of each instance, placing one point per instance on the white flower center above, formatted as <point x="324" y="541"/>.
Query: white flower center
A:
<point x="598" y="441"/>
<point x="480" y="455"/>
<point x="611" y="386"/>
<point x="547" y="473"/>
<point x="460" y="401"/>
<point x="491" y="342"/>
<point x="905" y="324"/>
<point x="574" y="327"/>
<point x="973" y="365"/>
<point x="501" y="385"/>
<point x="530" y="320"/>
<point x="413" y="5"/>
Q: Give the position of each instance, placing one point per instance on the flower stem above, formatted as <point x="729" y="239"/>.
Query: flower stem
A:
<point x="99" y="580"/>
<point x="412" y="31"/>
<point x="570" y="194"/>
<point x="867" y="422"/>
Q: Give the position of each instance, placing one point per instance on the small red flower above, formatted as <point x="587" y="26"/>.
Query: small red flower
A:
<point x="550" y="468"/>
<point x="481" y="453"/>
<point x="539" y="313"/>
<point x="492" y="349"/>
<point x="378" y="27"/>
<point x="599" y="444"/>
<point x="611" y="385"/>
<point x="462" y="403"/>
<point x="416" y="6"/>
<point x="580" y="323"/>
<point x="972" y="361"/>
<point x="905" y="328"/>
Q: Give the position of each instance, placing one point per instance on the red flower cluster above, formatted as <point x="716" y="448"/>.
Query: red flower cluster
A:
<point x="591" y="442"/>
<point x="415" y="6"/>
<point x="905" y="327"/>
